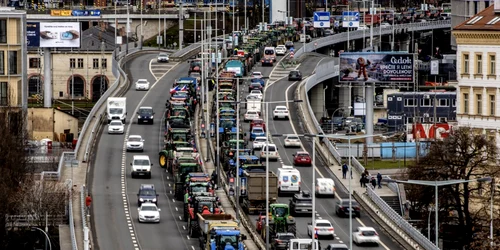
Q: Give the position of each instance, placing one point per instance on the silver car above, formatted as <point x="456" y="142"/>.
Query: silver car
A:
<point x="162" y="57"/>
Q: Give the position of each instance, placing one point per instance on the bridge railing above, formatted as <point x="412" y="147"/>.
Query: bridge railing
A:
<point x="324" y="72"/>
<point x="358" y="34"/>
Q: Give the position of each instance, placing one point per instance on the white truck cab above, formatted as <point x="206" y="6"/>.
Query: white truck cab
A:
<point x="301" y="244"/>
<point x="289" y="180"/>
<point x="141" y="166"/>
<point x="117" y="109"/>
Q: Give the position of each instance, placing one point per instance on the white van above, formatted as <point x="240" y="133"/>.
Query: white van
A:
<point x="288" y="180"/>
<point x="273" y="152"/>
<point x="302" y="244"/>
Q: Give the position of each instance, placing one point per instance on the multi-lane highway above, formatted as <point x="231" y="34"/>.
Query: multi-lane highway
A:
<point x="283" y="90"/>
<point x="114" y="192"/>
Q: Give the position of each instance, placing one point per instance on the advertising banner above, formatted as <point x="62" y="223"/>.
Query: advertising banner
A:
<point x="60" y="12"/>
<point x="372" y="67"/>
<point x="59" y="35"/>
<point x="33" y="34"/>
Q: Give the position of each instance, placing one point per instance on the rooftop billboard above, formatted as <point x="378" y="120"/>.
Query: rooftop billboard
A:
<point x="53" y="34"/>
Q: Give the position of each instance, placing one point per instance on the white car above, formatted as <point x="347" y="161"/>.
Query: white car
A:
<point x="141" y="166"/>
<point x="142" y="84"/>
<point x="292" y="141"/>
<point x="250" y="115"/>
<point x="280" y="50"/>
<point x="365" y="235"/>
<point x="149" y="212"/>
<point x="116" y="127"/>
<point x="280" y="112"/>
<point x="257" y="74"/>
<point x="362" y="27"/>
<point x="162" y="57"/>
<point x="273" y="152"/>
<point x="325" y="186"/>
<point x="385" y="25"/>
<point x="322" y="228"/>
<point x="135" y="143"/>
<point x="259" y="142"/>
<point x="257" y="93"/>
<point x="252" y="97"/>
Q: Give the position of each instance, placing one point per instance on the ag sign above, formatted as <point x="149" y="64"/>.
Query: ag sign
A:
<point x="350" y="19"/>
<point x="321" y="19"/>
<point x="376" y="67"/>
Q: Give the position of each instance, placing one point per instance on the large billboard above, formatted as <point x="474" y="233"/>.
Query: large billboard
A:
<point x="53" y="34"/>
<point x="372" y="67"/>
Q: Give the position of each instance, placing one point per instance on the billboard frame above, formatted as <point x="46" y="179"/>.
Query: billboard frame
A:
<point x="367" y="67"/>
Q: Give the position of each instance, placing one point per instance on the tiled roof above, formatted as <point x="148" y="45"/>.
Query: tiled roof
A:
<point x="486" y="20"/>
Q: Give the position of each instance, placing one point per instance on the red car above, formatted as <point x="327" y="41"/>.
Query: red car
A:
<point x="258" y="123"/>
<point x="302" y="158"/>
<point x="260" y="222"/>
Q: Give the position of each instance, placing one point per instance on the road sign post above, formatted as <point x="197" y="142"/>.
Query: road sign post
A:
<point x="321" y="19"/>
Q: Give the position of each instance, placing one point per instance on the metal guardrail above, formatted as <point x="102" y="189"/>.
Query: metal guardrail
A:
<point x="83" y="206"/>
<point x="70" y="213"/>
<point x="358" y="34"/>
<point x="324" y="72"/>
<point x="190" y="49"/>
<point x="400" y="221"/>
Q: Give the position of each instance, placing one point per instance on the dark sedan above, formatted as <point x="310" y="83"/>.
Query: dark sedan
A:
<point x="342" y="208"/>
<point x="254" y="86"/>
<point x="294" y="75"/>
<point x="288" y="44"/>
<point x="267" y="62"/>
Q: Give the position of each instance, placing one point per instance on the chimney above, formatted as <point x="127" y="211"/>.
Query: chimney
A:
<point x="497" y="6"/>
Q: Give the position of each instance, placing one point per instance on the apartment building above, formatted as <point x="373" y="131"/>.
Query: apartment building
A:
<point x="478" y="73"/>
<point x="12" y="58"/>
<point x="462" y="10"/>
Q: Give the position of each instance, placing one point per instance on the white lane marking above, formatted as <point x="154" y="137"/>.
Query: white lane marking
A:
<point x="126" y="201"/>
<point x="192" y="247"/>
<point x="176" y="209"/>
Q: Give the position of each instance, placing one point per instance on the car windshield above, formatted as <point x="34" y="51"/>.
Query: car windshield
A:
<point x="199" y="188"/>
<point x="280" y="211"/>
<point x="135" y="139"/>
<point x="302" y="155"/>
<point x="141" y="162"/>
<point x="271" y="149"/>
<point x="208" y="204"/>
<point x="145" y="111"/>
<point x="323" y="225"/>
<point x="163" y="54"/>
<point x="285" y="237"/>
<point x="257" y="130"/>
<point x="346" y="203"/>
<point x="269" y="52"/>
<point x="292" y="137"/>
<point x="260" y="140"/>
<point x="281" y="108"/>
<point x="115" y="111"/>
<point x="305" y="201"/>
<point x="368" y="233"/>
<point x="227" y="123"/>
<point x="148" y="208"/>
<point x="256" y="92"/>
<point x="324" y="184"/>
<point x="117" y="123"/>
<point x="256" y="84"/>
<point x="229" y="240"/>
<point x="252" y="97"/>
<point x="147" y="193"/>
<point x="251" y="113"/>
<point x="195" y="63"/>
<point x="180" y="95"/>
<point x="337" y="119"/>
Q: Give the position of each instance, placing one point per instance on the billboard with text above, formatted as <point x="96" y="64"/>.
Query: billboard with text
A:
<point x="53" y="34"/>
<point x="373" y="67"/>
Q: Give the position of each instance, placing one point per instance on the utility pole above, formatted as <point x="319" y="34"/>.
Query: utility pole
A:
<point x="181" y="26"/>
<point x="415" y="112"/>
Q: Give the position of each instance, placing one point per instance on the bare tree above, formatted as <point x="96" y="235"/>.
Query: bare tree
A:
<point x="464" y="155"/>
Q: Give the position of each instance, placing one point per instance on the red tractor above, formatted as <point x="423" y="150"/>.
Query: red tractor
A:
<point x="203" y="205"/>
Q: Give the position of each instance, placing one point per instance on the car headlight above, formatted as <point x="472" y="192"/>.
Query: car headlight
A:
<point x="141" y="199"/>
<point x="139" y="117"/>
<point x="154" y="200"/>
<point x="151" y="117"/>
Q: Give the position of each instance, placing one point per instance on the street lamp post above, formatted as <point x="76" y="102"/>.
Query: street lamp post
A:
<point x="436" y="185"/>
<point x="46" y="236"/>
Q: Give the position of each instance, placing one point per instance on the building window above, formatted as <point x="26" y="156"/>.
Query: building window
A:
<point x="465" y="64"/>
<point x="13" y="62"/>
<point x="409" y="102"/>
<point x="479" y="64"/>
<point x="35" y="63"/>
<point x="443" y="119"/>
<point x="492" y="105"/>
<point x="3" y="94"/>
<point x="493" y="65"/>
<point x="104" y="63"/>
<point x="443" y="103"/>
<point x="426" y="102"/>
<point x="3" y="31"/>
<point x="72" y="63"/>
<point x="80" y="63"/>
<point x="409" y="120"/>
<point x="466" y="103"/>
<point x="479" y="105"/>
<point x="95" y="63"/>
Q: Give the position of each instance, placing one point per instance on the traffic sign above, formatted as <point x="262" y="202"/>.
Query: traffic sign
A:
<point x="321" y="19"/>
<point x="350" y="19"/>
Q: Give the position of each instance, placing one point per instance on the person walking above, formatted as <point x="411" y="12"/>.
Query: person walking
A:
<point x="344" y="170"/>
<point x="88" y="202"/>
<point x="379" y="180"/>
<point x="374" y="182"/>
<point x="362" y="180"/>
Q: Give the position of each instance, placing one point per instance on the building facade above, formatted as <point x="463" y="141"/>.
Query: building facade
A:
<point x="462" y="10"/>
<point x="478" y="92"/>
<point x="83" y="73"/>
<point x="423" y="107"/>
<point x="12" y="58"/>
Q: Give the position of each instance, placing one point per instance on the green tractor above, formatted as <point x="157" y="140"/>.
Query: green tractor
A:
<point x="180" y="175"/>
<point x="174" y="150"/>
<point x="281" y="221"/>
<point x="200" y="187"/>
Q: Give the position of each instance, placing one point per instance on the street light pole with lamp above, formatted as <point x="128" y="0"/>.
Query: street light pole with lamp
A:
<point x="46" y="236"/>
<point x="436" y="185"/>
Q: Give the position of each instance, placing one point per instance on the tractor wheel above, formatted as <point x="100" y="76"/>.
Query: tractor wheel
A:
<point x="178" y="192"/>
<point x="194" y="230"/>
<point x="292" y="229"/>
<point x="186" y="212"/>
<point x="163" y="160"/>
